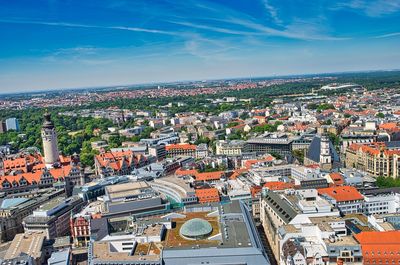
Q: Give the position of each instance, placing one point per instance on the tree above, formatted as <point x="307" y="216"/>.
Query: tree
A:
<point x="387" y="182"/>
<point x="266" y="127"/>
<point x="276" y="155"/>
<point x="232" y="124"/>
<point x="235" y="136"/>
<point x="380" y="115"/>
<point x="244" y="116"/>
<point x="325" y="106"/>
<point x="335" y="139"/>
<point x="87" y="154"/>
<point x="299" y="155"/>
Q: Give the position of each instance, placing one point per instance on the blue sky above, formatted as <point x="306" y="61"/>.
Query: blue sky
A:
<point x="83" y="43"/>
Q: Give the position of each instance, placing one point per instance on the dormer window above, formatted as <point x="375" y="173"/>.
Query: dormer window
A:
<point x="22" y="182"/>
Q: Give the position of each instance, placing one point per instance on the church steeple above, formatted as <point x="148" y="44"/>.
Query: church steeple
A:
<point x="325" y="154"/>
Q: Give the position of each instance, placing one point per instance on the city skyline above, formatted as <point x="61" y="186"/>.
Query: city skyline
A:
<point x="57" y="44"/>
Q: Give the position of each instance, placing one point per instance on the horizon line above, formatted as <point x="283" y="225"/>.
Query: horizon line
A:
<point x="60" y="89"/>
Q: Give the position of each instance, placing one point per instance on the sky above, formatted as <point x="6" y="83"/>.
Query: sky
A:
<point x="53" y="44"/>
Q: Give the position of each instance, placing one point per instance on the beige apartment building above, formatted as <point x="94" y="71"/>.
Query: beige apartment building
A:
<point x="377" y="158"/>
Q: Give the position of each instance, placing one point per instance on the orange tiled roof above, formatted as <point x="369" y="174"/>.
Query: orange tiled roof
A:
<point x="376" y="237"/>
<point x="259" y="111"/>
<point x="209" y="192"/>
<point x="207" y="176"/>
<point x="239" y="126"/>
<point x="180" y="146"/>
<point x="60" y="172"/>
<point x="355" y="146"/>
<point x="255" y="190"/>
<point x="15" y="163"/>
<point x="337" y="178"/>
<point x="183" y="172"/>
<point x="314" y="166"/>
<point x="369" y="150"/>
<point x="374" y="149"/>
<point x="252" y="162"/>
<point x="380" y="247"/>
<point x="342" y="194"/>
<point x="208" y="195"/>
<point x="278" y="185"/>
<point x="238" y="172"/>
<point x="388" y="126"/>
<point x="115" y="160"/>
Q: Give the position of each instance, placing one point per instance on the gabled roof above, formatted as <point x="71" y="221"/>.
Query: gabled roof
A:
<point x="281" y="207"/>
<point x="237" y="173"/>
<point x="115" y="160"/>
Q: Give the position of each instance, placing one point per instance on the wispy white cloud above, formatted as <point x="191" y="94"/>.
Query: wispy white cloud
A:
<point x="213" y="28"/>
<point x="272" y="11"/>
<point x="77" y="51"/>
<point x="224" y="19"/>
<point x="377" y="8"/>
<point x="301" y="30"/>
<point x="210" y="49"/>
<point x="74" y="25"/>
<point x="394" y="34"/>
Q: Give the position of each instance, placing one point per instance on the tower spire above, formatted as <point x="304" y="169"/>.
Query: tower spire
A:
<point x="49" y="138"/>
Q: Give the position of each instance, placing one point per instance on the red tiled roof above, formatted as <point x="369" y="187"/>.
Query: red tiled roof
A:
<point x="380" y="247"/>
<point x="183" y="172"/>
<point x="115" y="160"/>
<point x="210" y="192"/>
<point x="278" y="185"/>
<point x="252" y="162"/>
<point x="337" y="178"/>
<point x="180" y="146"/>
<point x="388" y="126"/>
<point x="208" y="195"/>
<point x="207" y="176"/>
<point x="255" y="190"/>
<point x="342" y="194"/>
<point x="237" y="173"/>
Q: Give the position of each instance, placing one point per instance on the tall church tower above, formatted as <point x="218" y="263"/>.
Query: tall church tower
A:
<point x="49" y="138"/>
<point x="325" y="157"/>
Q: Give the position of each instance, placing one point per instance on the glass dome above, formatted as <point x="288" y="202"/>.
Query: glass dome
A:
<point x="196" y="229"/>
